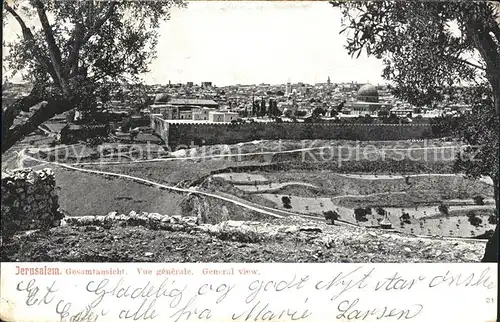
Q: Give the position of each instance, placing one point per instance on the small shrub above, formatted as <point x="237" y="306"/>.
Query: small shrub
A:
<point x="488" y="234"/>
<point x="405" y="217"/>
<point x="444" y="209"/>
<point x="471" y="214"/>
<point x="474" y="220"/>
<point x="380" y="211"/>
<point x="331" y="216"/>
<point x="360" y="214"/>
<point x="478" y="200"/>
<point x="286" y="202"/>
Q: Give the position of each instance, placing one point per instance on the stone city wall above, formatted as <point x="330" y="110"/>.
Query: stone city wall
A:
<point x="209" y="134"/>
<point x="159" y="126"/>
<point x="29" y="201"/>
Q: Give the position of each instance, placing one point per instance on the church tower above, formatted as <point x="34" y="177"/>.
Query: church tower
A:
<point x="288" y="89"/>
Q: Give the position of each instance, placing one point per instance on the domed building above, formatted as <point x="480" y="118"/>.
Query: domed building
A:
<point x="368" y="93"/>
<point x="367" y="102"/>
<point x="161" y="98"/>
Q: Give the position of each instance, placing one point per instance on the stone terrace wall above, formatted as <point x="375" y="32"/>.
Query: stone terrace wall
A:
<point x="209" y="134"/>
<point x="29" y="201"/>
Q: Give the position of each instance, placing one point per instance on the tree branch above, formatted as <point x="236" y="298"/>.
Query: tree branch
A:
<point x="460" y="60"/>
<point x="494" y="24"/>
<point x="28" y="36"/>
<point x="77" y="42"/>
<point x="53" y="107"/>
<point x="100" y="22"/>
<point x="488" y="50"/>
<point x="54" y="52"/>
<point x="80" y="39"/>
<point x="22" y="104"/>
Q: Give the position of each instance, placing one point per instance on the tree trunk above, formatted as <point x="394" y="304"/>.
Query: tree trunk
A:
<point x="491" y="250"/>
<point x="52" y="108"/>
<point x="23" y="104"/>
<point x="496" y="95"/>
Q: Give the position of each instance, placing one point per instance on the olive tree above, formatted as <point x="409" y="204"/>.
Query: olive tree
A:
<point x="72" y="51"/>
<point x="431" y="51"/>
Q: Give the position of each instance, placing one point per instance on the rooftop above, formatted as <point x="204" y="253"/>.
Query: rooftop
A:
<point x="165" y="99"/>
<point x="192" y="101"/>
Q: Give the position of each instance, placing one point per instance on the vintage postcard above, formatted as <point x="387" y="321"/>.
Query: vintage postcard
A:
<point x="173" y="160"/>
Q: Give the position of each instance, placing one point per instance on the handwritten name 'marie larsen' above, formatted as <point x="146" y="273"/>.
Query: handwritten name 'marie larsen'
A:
<point x="45" y="270"/>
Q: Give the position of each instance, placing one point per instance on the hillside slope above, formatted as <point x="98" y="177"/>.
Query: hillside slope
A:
<point x="157" y="238"/>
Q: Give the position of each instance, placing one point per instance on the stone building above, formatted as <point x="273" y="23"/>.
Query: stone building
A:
<point x="367" y="102"/>
<point x="181" y="108"/>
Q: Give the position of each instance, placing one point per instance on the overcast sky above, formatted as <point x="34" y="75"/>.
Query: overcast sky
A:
<point x="254" y="42"/>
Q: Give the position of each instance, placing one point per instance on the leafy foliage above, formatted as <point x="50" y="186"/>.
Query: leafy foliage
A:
<point x="360" y="214"/>
<point x="430" y="50"/>
<point x="405" y="218"/>
<point x="474" y="220"/>
<point x="319" y="111"/>
<point x="479" y="130"/>
<point x="444" y="209"/>
<point x="427" y="47"/>
<point x="380" y="211"/>
<point x="331" y="216"/>
<point x="77" y="53"/>
<point x="286" y="202"/>
<point x="478" y="200"/>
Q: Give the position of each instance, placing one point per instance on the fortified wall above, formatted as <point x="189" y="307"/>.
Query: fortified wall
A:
<point x="175" y="134"/>
<point x="29" y="201"/>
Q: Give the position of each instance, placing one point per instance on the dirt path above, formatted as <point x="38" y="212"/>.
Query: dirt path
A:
<point x="149" y="182"/>
<point x="225" y="197"/>
<point x="396" y="177"/>
<point x="286" y="213"/>
<point x="272" y="186"/>
<point x="221" y="196"/>
<point x="229" y="154"/>
<point x="370" y="195"/>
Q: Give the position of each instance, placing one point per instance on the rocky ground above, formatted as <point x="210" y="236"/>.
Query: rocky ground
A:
<point x="157" y="238"/>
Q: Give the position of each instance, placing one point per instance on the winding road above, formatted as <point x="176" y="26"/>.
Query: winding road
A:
<point x="276" y="213"/>
<point x="153" y="183"/>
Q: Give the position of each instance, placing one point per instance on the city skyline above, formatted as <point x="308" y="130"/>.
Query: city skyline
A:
<point x="264" y="44"/>
<point x="278" y="48"/>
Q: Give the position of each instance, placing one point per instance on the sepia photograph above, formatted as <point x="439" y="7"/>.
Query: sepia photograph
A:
<point x="176" y="131"/>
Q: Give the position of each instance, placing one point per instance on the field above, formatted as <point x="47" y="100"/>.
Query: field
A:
<point x="315" y="193"/>
<point x="82" y="194"/>
<point x="317" y="176"/>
